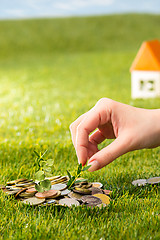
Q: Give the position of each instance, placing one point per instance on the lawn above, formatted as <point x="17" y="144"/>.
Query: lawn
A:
<point x="52" y="71"/>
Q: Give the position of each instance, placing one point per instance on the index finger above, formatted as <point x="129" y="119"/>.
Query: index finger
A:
<point x="97" y="116"/>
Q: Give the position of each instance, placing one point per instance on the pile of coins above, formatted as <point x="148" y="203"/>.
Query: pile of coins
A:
<point x="81" y="193"/>
<point x="143" y="182"/>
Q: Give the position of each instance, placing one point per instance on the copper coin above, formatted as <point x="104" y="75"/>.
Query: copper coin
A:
<point x="24" y="189"/>
<point x="46" y="194"/>
<point x="31" y="190"/>
<point x="107" y="192"/>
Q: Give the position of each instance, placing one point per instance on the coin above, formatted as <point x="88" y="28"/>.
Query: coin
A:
<point x="11" y="192"/>
<point x="91" y="200"/>
<point x="26" y="194"/>
<point x="47" y="194"/>
<point x="24" y="184"/>
<point x="154" y="180"/>
<point x="69" y="202"/>
<point x="52" y="201"/>
<point x="22" y="190"/>
<point x="16" y="181"/>
<point x="105" y="199"/>
<point x="97" y="184"/>
<point x="95" y="190"/>
<point x="65" y="192"/>
<point x="33" y="201"/>
<point x="31" y="190"/>
<point x="82" y="190"/>
<point x="14" y="188"/>
<point x="139" y="182"/>
<point x="88" y="185"/>
<point x="57" y="195"/>
<point x="59" y="186"/>
<point x="75" y="196"/>
<point x="53" y="177"/>
<point x="107" y="192"/>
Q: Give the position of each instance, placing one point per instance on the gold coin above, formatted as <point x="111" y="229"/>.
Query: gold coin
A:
<point x="76" y="196"/>
<point x="16" y="181"/>
<point x="104" y="198"/>
<point x="26" y="194"/>
<point x="82" y="190"/>
<point x="53" y="178"/>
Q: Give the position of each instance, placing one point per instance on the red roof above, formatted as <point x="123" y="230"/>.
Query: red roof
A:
<point x="148" y="57"/>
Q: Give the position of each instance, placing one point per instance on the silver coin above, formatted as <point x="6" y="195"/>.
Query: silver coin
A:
<point x="52" y="201"/>
<point x="69" y="202"/>
<point x="65" y="192"/>
<point x="59" y="187"/>
<point x="154" y="180"/>
<point x="139" y="182"/>
<point x="33" y="201"/>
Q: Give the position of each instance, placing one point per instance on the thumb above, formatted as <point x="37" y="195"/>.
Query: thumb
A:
<point x="105" y="156"/>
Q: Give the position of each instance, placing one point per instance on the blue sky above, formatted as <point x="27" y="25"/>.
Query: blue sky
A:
<point x="56" y="8"/>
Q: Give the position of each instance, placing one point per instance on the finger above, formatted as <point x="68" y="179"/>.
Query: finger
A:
<point x="92" y="120"/>
<point x="92" y="149"/>
<point x="97" y="137"/>
<point x="100" y="159"/>
<point x="73" y="128"/>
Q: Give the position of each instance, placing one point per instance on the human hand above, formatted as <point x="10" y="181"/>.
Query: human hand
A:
<point x="132" y="128"/>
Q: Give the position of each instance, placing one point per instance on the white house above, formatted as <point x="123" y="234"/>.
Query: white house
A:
<point x="145" y="71"/>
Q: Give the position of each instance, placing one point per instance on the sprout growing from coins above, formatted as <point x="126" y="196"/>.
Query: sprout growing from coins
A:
<point x="44" y="170"/>
<point x="73" y="179"/>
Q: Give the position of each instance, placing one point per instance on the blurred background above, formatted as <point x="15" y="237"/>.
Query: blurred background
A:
<point x="57" y="58"/>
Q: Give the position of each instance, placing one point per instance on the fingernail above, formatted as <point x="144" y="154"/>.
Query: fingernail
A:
<point x="94" y="166"/>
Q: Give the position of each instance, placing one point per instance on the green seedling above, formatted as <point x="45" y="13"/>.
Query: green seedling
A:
<point x="73" y="179"/>
<point x="44" y="170"/>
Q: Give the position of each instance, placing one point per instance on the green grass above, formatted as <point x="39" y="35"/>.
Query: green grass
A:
<point x="52" y="71"/>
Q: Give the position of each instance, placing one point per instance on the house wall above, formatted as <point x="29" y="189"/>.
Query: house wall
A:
<point x="145" y="84"/>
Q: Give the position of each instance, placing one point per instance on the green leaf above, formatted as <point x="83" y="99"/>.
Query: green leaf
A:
<point x="39" y="188"/>
<point x="69" y="175"/>
<point x="48" y="174"/>
<point x="86" y="168"/>
<point x="45" y="184"/>
<point x="71" y="181"/>
<point x="79" y="181"/>
<point x="39" y="175"/>
<point x="47" y="169"/>
<point x="79" y="169"/>
<point x="50" y="162"/>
